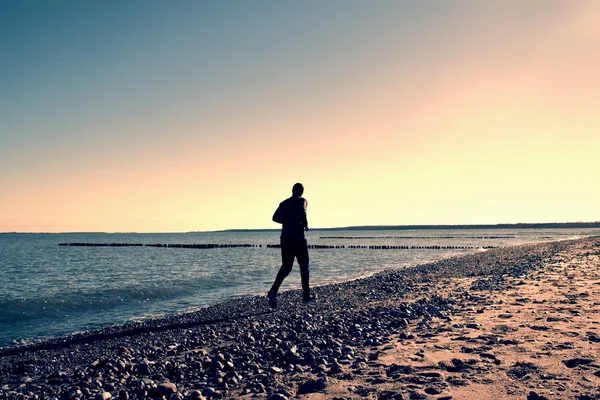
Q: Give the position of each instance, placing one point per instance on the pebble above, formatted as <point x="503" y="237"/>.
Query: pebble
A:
<point x="594" y="338"/>
<point x="575" y="362"/>
<point x="312" y="386"/>
<point x="277" y="396"/>
<point x="432" y="390"/>
<point x="535" y="396"/>
<point x="167" y="388"/>
<point x="195" y="394"/>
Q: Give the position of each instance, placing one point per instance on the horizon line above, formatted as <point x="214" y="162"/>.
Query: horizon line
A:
<point x="522" y="225"/>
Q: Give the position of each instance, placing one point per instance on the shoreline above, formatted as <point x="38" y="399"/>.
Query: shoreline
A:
<point x="347" y="345"/>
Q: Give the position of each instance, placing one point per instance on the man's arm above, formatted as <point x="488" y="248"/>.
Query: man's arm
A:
<point x="278" y="216"/>
<point x="304" y="217"/>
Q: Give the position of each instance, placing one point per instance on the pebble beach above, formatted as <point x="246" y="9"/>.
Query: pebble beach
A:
<point x="519" y="322"/>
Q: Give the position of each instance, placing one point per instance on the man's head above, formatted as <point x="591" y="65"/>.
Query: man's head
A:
<point x="298" y="190"/>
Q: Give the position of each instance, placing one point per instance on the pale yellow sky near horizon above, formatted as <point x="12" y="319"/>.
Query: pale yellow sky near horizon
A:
<point x="491" y="117"/>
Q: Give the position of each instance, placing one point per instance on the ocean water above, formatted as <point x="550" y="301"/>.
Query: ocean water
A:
<point x="50" y="290"/>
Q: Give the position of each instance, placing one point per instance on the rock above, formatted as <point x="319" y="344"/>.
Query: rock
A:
<point x="211" y="393"/>
<point x="456" y="366"/>
<point x="144" y="368"/>
<point x="487" y="355"/>
<point x="594" y="338"/>
<point x="432" y="390"/>
<point x="277" y="396"/>
<point x="103" y="396"/>
<point x="414" y="395"/>
<point x="166" y="388"/>
<point x="335" y="368"/>
<point x="521" y="369"/>
<point x="539" y="327"/>
<point x="196" y="395"/>
<point x="534" y="396"/>
<point x="120" y="365"/>
<point x="434" y="375"/>
<point x="406" y="335"/>
<point x="390" y="396"/>
<point x="574" y="362"/>
<point x="320" y="368"/>
<point x="312" y="385"/>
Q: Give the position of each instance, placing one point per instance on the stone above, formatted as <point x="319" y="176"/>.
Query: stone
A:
<point x="434" y="375"/>
<point x="103" y="396"/>
<point x="335" y="368"/>
<point x="277" y="396"/>
<point x="144" y="368"/>
<point x="520" y="369"/>
<point x="535" y="396"/>
<point x="195" y="394"/>
<point x="417" y="396"/>
<point x="312" y="386"/>
<point x="167" y="388"/>
<point x="432" y="390"/>
<point x="575" y="362"/>
<point x="211" y="393"/>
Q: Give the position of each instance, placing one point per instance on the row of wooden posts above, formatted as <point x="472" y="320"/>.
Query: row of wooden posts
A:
<point x="310" y="246"/>
<point x="417" y="237"/>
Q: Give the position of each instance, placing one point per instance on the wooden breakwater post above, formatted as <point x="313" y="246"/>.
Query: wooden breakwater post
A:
<point x="275" y="246"/>
<point x="165" y="245"/>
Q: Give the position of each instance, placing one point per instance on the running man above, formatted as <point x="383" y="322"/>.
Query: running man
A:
<point x="291" y="213"/>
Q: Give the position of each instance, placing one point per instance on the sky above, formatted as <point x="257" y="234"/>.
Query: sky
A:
<point x="176" y="116"/>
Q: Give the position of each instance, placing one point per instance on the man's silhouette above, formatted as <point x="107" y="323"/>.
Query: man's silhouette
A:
<point x="291" y="213"/>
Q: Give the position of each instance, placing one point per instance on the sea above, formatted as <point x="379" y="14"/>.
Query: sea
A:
<point x="48" y="289"/>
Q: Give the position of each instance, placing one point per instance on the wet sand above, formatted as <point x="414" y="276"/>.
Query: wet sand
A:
<point x="514" y="323"/>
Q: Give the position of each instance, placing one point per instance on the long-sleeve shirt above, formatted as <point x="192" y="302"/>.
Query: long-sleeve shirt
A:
<point x="291" y="213"/>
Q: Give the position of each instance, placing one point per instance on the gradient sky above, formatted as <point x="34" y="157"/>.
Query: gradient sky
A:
<point x="162" y="116"/>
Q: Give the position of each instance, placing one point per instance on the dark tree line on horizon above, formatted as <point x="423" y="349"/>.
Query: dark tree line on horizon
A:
<point x="546" y="225"/>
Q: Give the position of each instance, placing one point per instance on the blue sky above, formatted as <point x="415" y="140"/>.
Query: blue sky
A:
<point x="114" y="112"/>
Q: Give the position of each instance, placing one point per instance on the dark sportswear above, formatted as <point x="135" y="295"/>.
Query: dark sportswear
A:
<point x="291" y="213"/>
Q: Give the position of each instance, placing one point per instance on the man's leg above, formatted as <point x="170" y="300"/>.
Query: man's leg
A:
<point x="303" y="261"/>
<point x="287" y="262"/>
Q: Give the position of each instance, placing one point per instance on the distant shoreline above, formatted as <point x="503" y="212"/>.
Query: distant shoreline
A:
<point x="548" y="225"/>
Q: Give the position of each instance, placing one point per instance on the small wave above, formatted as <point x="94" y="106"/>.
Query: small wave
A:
<point x="14" y="310"/>
<point x="574" y="237"/>
<point x="158" y="315"/>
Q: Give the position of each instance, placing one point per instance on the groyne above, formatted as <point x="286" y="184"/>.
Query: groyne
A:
<point x="245" y="245"/>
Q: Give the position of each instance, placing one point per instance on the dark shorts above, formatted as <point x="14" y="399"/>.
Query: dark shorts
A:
<point x="294" y="248"/>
